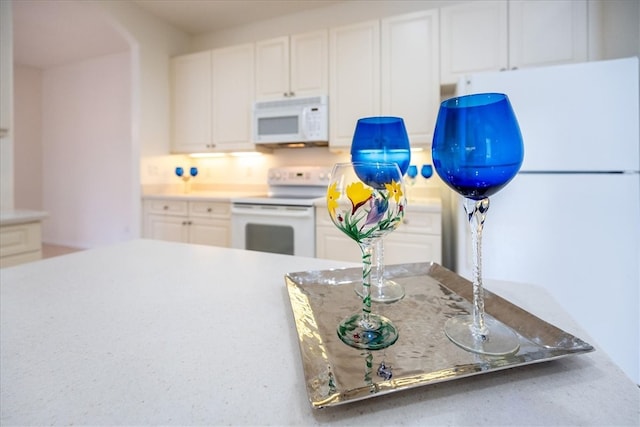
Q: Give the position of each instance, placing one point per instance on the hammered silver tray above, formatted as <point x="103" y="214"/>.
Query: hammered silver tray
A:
<point x="336" y="373"/>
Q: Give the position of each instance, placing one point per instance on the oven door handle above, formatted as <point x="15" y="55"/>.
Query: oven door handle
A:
<point x="267" y="211"/>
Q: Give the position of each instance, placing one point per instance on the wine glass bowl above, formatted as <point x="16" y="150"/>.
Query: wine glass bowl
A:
<point x="193" y="171"/>
<point x="426" y="171"/>
<point x="477" y="149"/>
<point x="381" y="139"/>
<point x="366" y="201"/>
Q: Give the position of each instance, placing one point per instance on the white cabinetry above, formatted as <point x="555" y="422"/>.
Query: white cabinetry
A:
<point x="418" y="239"/>
<point x="354" y="86"/>
<point x="387" y="67"/>
<point x="212" y="93"/>
<point x="191" y="102"/>
<point x="410" y="72"/>
<point x="496" y="35"/>
<point x="20" y="243"/>
<point x="547" y="32"/>
<point x="294" y="65"/>
<point x="233" y="95"/>
<point x="200" y="222"/>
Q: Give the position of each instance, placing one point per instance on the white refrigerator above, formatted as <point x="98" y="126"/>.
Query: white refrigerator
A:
<point x="570" y="220"/>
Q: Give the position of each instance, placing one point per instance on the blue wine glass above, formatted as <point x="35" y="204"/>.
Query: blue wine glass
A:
<point x="412" y="173"/>
<point x="193" y="171"/>
<point x="382" y="139"/>
<point x="179" y="171"/>
<point x="477" y="149"/>
<point x="426" y="171"/>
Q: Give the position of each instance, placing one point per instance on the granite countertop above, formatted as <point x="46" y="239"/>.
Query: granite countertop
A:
<point x="160" y="333"/>
<point x="21" y="216"/>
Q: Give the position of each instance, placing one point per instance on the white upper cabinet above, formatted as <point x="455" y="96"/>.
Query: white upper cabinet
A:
<point x="354" y="87"/>
<point x="233" y="95"/>
<point x="497" y="35"/>
<point x="388" y="67"/>
<point x="474" y="38"/>
<point x="212" y="95"/>
<point x="546" y="32"/>
<point x="191" y="102"/>
<point x="294" y="65"/>
<point x="410" y="72"/>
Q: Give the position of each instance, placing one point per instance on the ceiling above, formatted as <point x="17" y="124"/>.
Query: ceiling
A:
<point x="53" y="33"/>
<point x="197" y="17"/>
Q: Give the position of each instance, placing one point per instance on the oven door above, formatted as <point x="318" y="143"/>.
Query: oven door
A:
<point x="274" y="228"/>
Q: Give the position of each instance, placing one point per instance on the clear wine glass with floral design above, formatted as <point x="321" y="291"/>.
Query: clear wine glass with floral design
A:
<point x="366" y="201"/>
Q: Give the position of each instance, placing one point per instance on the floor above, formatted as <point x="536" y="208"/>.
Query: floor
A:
<point x="50" y="251"/>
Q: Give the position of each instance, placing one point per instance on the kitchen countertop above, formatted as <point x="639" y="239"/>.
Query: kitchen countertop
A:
<point x="426" y="204"/>
<point x="418" y="204"/>
<point x="21" y="216"/>
<point x="202" y="196"/>
<point x="150" y="332"/>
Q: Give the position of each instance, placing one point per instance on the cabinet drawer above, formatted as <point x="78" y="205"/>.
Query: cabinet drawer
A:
<point x="210" y="209"/>
<point x="423" y="222"/>
<point x="20" y="238"/>
<point x="166" y="207"/>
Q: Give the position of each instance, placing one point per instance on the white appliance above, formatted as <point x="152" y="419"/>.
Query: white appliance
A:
<point x="291" y="122"/>
<point x="283" y="221"/>
<point x="570" y="220"/>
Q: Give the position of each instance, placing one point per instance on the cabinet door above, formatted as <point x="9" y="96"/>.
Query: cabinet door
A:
<point x="410" y="72"/>
<point x="332" y="243"/>
<point x="233" y="95"/>
<point x="309" y="63"/>
<point x="474" y="37"/>
<point x="546" y="32"/>
<point x="191" y="102"/>
<point x="272" y="68"/>
<point x="210" y="232"/>
<point x="354" y="88"/>
<point x="171" y="228"/>
<point x="400" y="248"/>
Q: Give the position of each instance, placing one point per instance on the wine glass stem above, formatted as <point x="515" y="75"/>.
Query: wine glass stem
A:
<point x="476" y="213"/>
<point x="367" y="255"/>
<point x="379" y="255"/>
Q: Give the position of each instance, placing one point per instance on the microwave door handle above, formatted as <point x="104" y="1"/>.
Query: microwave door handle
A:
<point x="303" y="125"/>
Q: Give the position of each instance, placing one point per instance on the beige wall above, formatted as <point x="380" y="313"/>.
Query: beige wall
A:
<point x="86" y="144"/>
<point x="28" y="137"/>
<point x="6" y="106"/>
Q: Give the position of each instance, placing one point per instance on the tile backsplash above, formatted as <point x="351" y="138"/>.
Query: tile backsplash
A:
<point x="230" y="172"/>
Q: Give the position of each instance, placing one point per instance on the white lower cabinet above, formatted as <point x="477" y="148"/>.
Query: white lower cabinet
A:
<point x="204" y="223"/>
<point x="418" y="239"/>
<point x="20" y="243"/>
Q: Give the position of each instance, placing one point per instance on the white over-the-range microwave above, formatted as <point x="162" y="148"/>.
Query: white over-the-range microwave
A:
<point x="289" y="122"/>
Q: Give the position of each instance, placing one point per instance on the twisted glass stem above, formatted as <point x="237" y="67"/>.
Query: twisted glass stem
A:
<point x="476" y="214"/>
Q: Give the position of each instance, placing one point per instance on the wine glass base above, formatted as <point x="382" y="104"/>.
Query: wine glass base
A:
<point x="500" y="340"/>
<point x="390" y="291"/>
<point x="375" y="334"/>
